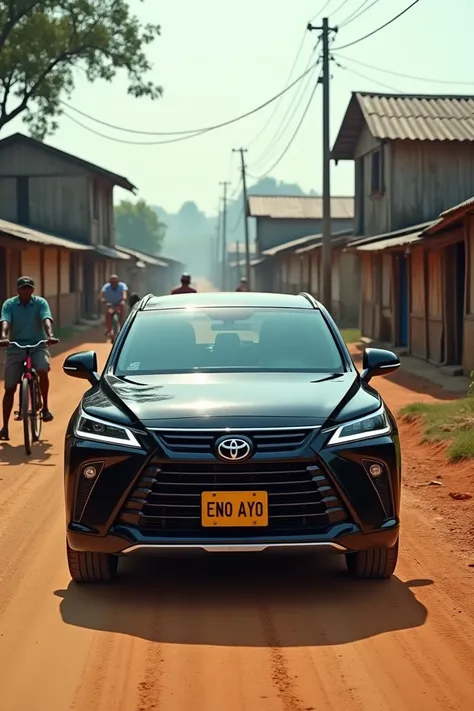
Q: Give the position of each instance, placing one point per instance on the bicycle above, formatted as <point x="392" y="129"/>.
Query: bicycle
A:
<point x="114" y="309"/>
<point x="30" y="389"/>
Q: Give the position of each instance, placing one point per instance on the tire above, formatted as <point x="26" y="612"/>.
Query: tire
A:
<point x="373" y="564"/>
<point x="85" y="567"/>
<point x="25" y="411"/>
<point x="36" y="421"/>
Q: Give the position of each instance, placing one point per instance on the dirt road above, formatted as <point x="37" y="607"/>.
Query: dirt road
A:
<point x="207" y="634"/>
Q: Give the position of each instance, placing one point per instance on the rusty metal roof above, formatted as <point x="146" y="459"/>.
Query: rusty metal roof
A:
<point x="405" y="117"/>
<point x="299" y="207"/>
<point x="462" y="205"/>
<point x="30" y="235"/>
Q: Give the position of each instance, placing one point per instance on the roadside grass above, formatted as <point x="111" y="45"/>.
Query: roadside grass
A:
<point x="351" y="335"/>
<point x="451" y="421"/>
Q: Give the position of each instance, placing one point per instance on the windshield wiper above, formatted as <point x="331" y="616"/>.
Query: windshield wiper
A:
<point x="331" y="376"/>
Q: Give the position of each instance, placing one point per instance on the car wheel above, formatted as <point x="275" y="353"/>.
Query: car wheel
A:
<point x="85" y="567"/>
<point x="375" y="563"/>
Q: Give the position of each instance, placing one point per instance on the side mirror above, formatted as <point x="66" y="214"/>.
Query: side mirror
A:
<point x="82" y="365"/>
<point x="377" y="361"/>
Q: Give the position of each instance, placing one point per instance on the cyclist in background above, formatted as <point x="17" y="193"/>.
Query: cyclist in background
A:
<point x="185" y="287"/>
<point x="27" y="319"/>
<point x="243" y="285"/>
<point x="114" y="292"/>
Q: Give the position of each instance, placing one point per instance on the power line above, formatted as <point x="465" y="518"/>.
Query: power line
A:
<point x="364" y="76"/>
<point x="361" y="10"/>
<point x="277" y="104"/>
<point x="344" y="2"/>
<point x="378" y="29"/>
<point x="406" y="76"/>
<point x="290" y="143"/>
<point x="192" y="132"/>
<point x="284" y="125"/>
<point x="318" y="14"/>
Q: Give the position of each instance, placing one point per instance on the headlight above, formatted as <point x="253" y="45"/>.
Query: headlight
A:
<point x="98" y="430"/>
<point x="370" y="426"/>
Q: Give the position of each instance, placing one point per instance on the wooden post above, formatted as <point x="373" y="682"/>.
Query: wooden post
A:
<point x="58" y="306"/>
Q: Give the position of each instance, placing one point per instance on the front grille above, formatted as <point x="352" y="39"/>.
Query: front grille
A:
<point x="270" y="440"/>
<point x="167" y="499"/>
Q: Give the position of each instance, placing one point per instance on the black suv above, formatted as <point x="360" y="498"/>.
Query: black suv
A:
<point x="231" y="422"/>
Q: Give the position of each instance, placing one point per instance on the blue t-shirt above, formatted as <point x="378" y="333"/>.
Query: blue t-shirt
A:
<point x="114" y="296"/>
<point x="26" y="321"/>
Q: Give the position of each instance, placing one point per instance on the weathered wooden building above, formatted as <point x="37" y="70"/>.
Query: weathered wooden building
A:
<point x="414" y="157"/>
<point x="59" y="194"/>
<point x="282" y="219"/>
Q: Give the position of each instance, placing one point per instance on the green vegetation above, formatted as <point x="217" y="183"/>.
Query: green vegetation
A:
<point x="138" y="226"/>
<point x="451" y="421"/>
<point x="351" y="335"/>
<point x="42" y="42"/>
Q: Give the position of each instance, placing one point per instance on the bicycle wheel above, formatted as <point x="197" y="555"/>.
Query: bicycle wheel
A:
<point x="25" y="411"/>
<point x="35" y="416"/>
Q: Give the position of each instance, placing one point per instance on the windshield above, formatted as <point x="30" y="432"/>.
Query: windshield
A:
<point x="232" y="339"/>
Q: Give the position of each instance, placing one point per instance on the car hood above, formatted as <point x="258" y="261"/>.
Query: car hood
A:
<point x="212" y="400"/>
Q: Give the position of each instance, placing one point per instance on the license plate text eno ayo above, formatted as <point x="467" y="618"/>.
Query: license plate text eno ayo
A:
<point x="234" y="508"/>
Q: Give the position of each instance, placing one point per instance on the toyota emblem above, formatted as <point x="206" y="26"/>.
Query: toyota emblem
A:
<point x="234" y="449"/>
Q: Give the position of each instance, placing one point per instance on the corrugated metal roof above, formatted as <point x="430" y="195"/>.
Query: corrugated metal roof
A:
<point x="27" y="140"/>
<point x="461" y="206"/>
<point x="141" y="256"/>
<point x="307" y="242"/>
<point x="29" y="235"/>
<point x="405" y="117"/>
<point x="391" y="242"/>
<point x="110" y="252"/>
<point x="306" y="207"/>
<point x="391" y="235"/>
<point x="337" y="240"/>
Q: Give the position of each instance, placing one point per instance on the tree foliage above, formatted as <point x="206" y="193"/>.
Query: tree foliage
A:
<point x="43" y="41"/>
<point x="138" y="227"/>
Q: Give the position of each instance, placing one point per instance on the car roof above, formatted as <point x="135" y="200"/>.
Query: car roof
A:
<point x="249" y="299"/>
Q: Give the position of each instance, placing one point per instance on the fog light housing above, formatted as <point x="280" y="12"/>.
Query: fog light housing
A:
<point x="90" y="472"/>
<point x="375" y="470"/>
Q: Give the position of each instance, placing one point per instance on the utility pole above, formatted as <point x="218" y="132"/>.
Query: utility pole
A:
<point x="237" y="255"/>
<point x="216" y="258"/>
<point x="326" y="245"/>
<point x="224" y="236"/>
<point x="246" y="222"/>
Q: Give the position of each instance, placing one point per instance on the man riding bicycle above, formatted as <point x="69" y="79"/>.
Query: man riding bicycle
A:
<point x="115" y="293"/>
<point x="185" y="287"/>
<point x="27" y="319"/>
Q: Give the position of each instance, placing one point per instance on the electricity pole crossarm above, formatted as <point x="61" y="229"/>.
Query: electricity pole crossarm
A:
<point x="246" y="222"/>
<point x="326" y="245"/>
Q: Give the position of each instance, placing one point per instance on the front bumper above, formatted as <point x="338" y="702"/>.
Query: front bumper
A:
<point x="347" y="538"/>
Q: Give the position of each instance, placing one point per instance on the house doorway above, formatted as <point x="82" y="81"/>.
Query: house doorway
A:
<point x="455" y="275"/>
<point x="3" y="275"/>
<point x="90" y="306"/>
<point x="403" y="301"/>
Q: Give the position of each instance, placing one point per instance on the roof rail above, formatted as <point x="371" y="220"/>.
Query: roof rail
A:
<point x="309" y="298"/>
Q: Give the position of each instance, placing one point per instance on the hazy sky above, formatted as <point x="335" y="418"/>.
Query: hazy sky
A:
<point x="216" y="60"/>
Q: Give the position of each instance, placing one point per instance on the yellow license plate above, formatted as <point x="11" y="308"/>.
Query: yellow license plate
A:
<point x="234" y="508"/>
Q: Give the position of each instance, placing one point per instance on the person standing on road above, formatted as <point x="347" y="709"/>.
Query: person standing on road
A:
<point x="114" y="292"/>
<point x="27" y="319"/>
<point x="185" y="287"/>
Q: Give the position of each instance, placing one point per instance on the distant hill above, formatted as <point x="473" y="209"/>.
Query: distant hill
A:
<point x="190" y="232"/>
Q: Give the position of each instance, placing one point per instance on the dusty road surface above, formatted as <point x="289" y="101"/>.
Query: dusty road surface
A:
<point x="207" y="634"/>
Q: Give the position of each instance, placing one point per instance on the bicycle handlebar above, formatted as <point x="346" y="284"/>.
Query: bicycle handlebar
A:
<point x="14" y="343"/>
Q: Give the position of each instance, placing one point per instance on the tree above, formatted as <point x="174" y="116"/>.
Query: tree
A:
<point x="138" y="227"/>
<point x="42" y="41"/>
